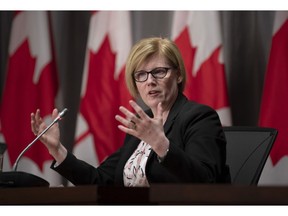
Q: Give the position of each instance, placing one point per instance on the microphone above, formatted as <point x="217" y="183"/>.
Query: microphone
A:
<point x="58" y="118"/>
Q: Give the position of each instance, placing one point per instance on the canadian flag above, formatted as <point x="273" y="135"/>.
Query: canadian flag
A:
<point x="103" y="86"/>
<point x="274" y="105"/>
<point x="31" y="83"/>
<point x="198" y="37"/>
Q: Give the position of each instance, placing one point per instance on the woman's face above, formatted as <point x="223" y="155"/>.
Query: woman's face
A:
<point x="153" y="90"/>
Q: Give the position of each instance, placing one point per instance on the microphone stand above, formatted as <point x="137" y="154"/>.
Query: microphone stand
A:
<point x="21" y="179"/>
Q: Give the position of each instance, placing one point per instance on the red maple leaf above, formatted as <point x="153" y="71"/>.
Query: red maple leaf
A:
<point x="104" y="95"/>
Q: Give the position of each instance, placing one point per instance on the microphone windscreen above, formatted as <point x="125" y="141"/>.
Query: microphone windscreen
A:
<point x="63" y="113"/>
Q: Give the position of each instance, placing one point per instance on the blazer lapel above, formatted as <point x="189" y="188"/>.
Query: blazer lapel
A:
<point x="175" y="109"/>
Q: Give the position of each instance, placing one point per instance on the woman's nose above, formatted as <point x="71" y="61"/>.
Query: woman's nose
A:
<point x="150" y="78"/>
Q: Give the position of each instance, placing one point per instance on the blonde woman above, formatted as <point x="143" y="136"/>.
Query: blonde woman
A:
<point x="174" y="141"/>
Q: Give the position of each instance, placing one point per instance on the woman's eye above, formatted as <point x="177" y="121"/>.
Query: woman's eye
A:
<point x="159" y="71"/>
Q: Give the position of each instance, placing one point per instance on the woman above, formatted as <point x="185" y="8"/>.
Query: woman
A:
<point x="175" y="141"/>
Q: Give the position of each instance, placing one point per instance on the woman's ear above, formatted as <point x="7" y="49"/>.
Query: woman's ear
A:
<point x="179" y="79"/>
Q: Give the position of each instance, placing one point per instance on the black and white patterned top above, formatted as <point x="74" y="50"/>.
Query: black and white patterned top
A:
<point x="134" y="170"/>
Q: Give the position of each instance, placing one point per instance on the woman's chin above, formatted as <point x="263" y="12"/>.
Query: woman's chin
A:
<point x="153" y="103"/>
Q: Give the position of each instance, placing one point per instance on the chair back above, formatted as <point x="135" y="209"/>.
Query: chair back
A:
<point x="247" y="151"/>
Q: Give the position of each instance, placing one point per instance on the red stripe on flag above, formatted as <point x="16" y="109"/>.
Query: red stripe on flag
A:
<point x="274" y="103"/>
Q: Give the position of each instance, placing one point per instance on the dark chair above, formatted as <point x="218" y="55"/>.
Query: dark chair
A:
<point x="247" y="151"/>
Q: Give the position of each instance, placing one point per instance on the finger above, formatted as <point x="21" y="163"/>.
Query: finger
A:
<point x="36" y="120"/>
<point x="33" y="122"/>
<point x="127" y="123"/>
<point x="132" y="125"/>
<point x="129" y="115"/>
<point x="32" y="117"/>
<point x="127" y="130"/>
<point x="138" y="110"/>
<point x="159" y="112"/>
<point x="37" y="114"/>
<point x="122" y="120"/>
<point x="54" y="113"/>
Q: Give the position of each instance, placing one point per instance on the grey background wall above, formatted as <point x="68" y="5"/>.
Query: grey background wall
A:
<point x="246" y="42"/>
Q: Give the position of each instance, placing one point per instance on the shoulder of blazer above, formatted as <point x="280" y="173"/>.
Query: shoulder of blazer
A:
<point x="183" y="106"/>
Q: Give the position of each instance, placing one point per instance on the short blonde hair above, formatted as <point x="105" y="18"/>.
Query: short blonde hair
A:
<point x="147" y="47"/>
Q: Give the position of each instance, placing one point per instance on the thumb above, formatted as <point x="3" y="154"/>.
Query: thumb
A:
<point x="159" y="112"/>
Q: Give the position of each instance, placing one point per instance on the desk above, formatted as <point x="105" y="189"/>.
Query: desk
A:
<point x="46" y="196"/>
<point x="218" y="195"/>
<point x="162" y="194"/>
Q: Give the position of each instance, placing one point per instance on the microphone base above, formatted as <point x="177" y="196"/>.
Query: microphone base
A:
<point x="21" y="179"/>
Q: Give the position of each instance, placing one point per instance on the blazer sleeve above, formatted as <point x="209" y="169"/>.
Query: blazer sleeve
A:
<point x="79" y="172"/>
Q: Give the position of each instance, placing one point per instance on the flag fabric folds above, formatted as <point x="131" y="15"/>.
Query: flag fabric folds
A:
<point x="103" y="86"/>
<point x="31" y="83"/>
<point x="198" y="37"/>
<point x="274" y="104"/>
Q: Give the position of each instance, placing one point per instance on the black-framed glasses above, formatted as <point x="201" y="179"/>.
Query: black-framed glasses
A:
<point x="157" y="73"/>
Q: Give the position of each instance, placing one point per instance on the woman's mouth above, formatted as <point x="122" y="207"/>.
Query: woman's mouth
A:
<point x="153" y="93"/>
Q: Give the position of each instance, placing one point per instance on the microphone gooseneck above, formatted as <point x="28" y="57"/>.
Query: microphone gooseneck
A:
<point x="58" y="118"/>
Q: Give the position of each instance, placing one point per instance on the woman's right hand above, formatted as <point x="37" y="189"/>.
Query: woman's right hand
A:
<point x="51" y="139"/>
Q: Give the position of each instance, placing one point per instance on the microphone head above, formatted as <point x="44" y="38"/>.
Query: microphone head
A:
<point x="63" y="113"/>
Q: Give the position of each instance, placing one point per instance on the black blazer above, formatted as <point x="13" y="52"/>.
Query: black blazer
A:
<point x="197" y="152"/>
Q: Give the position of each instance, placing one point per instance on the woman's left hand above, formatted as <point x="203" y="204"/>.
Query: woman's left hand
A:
<point x="140" y="125"/>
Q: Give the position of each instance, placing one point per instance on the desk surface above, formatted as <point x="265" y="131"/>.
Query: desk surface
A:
<point x="162" y="194"/>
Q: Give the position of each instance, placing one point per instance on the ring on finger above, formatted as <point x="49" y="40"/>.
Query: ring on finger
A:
<point x="133" y="125"/>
